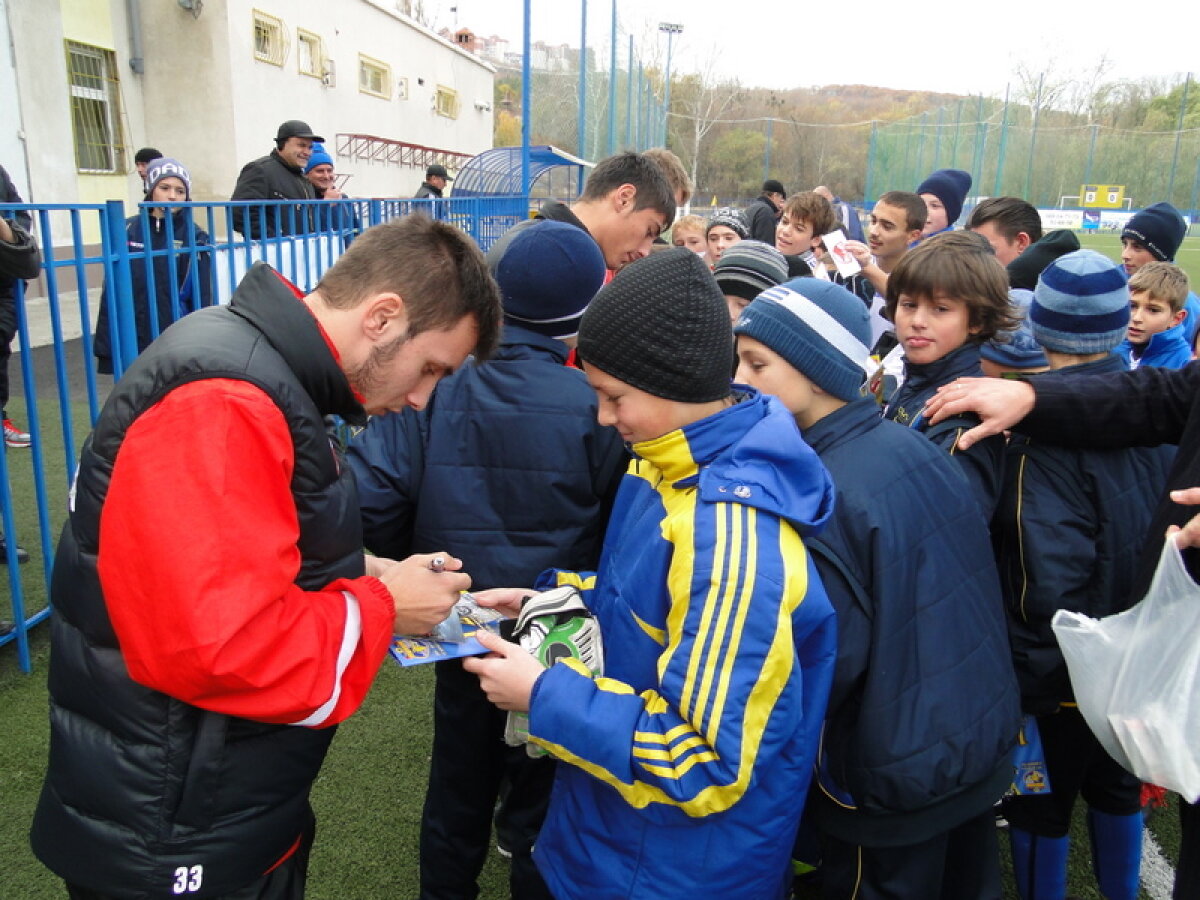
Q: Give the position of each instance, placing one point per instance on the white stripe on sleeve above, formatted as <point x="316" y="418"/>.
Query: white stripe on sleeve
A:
<point x="350" y="637"/>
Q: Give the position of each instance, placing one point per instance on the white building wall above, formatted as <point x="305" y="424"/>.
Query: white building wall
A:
<point x="267" y="95"/>
<point x="205" y="99"/>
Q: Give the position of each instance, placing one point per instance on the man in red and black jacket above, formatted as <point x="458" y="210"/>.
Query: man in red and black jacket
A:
<point x="214" y="612"/>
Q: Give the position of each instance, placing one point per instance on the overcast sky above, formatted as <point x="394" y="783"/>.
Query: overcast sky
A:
<point x="936" y="45"/>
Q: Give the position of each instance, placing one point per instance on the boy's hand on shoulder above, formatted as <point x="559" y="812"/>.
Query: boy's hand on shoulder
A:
<point x="507" y="674"/>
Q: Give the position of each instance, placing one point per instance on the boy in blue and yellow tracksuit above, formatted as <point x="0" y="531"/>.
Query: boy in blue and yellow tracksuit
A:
<point x="689" y="759"/>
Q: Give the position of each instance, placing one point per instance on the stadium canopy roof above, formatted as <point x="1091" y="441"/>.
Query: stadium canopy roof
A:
<point x="497" y="172"/>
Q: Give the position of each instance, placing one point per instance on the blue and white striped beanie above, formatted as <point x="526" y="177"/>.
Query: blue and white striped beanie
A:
<point x="1080" y="304"/>
<point x="819" y="327"/>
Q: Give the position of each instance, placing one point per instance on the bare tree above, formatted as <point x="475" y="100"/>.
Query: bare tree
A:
<point x="703" y="100"/>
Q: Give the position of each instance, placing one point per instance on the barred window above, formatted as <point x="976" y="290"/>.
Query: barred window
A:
<point x="374" y="77"/>
<point x="95" y="108"/>
<point x="270" y="39"/>
<point x="446" y="102"/>
<point x="310" y="53"/>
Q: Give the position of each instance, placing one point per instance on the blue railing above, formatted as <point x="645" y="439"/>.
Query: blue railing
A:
<point x="97" y="256"/>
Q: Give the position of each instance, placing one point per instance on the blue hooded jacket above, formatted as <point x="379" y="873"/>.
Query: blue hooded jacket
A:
<point x="688" y="761"/>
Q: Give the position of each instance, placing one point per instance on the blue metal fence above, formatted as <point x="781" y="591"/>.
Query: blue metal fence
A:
<point x="90" y="251"/>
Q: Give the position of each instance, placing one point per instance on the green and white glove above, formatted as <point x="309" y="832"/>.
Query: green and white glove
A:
<point x="554" y="625"/>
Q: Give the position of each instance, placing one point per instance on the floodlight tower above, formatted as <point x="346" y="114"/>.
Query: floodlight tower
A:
<point x="670" y="30"/>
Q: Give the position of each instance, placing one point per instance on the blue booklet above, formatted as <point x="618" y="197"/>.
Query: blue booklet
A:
<point x="451" y="639"/>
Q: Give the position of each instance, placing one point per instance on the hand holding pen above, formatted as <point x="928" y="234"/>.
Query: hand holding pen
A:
<point x="425" y="588"/>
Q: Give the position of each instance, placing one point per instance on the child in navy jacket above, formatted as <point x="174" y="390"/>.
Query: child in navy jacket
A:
<point x="923" y="712"/>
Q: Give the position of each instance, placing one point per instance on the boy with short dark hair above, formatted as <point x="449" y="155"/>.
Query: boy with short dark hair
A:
<point x="683" y="768"/>
<point x="804" y="220"/>
<point x="911" y="763"/>
<point x="946" y="298"/>
<point x="1158" y="316"/>
<point x="1068" y="531"/>
<point x="1010" y="225"/>
<point x="626" y="204"/>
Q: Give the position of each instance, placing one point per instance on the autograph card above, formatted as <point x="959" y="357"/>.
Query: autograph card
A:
<point x="414" y="651"/>
<point x="835" y="243"/>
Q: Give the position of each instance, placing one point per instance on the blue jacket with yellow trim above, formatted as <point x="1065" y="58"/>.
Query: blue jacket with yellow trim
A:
<point x="923" y="713"/>
<point x="983" y="463"/>
<point x="1069" y="530"/>
<point x="690" y="758"/>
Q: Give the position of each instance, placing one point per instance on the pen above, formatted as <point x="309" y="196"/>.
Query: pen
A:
<point x="437" y="564"/>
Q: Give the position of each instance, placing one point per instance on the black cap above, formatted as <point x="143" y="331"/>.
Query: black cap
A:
<point x="771" y="186"/>
<point x="295" y="128"/>
<point x="438" y="171"/>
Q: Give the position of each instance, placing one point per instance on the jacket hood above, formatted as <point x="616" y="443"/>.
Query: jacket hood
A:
<point x="767" y="466"/>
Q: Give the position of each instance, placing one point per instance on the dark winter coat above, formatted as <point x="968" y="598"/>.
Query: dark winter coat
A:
<point x="1069" y="528"/>
<point x="506" y="467"/>
<point x="154" y="291"/>
<point x="270" y="178"/>
<point x="761" y="219"/>
<point x="983" y="463"/>
<point x="1142" y="408"/>
<point x="923" y="713"/>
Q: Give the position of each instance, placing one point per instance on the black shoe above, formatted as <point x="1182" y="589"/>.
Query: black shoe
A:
<point x="22" y="553"/>
<point x="6" y="627"/>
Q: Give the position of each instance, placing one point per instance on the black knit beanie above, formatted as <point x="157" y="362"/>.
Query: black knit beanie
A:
<point x="1159" y="228"/>
<point x="662" y="326"/>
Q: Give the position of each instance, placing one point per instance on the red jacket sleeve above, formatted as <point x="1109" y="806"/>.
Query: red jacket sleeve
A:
<point x="198" y="560"/>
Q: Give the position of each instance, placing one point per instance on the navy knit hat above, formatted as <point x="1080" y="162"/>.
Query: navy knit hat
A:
<point x="730" y="218"/>
<point x="548" y="273"/>
<point x="1016" y="349"/>
<point x="748" y="268"/>
<point x="1080" y="304"/>
<point x="1159" y="228"/>
<point x="662" y="326"/>
<point x="951" y="186"/>
<point x="165" y="167"/>
<point x="320" y="157"/>
<point x="819" y="327"/>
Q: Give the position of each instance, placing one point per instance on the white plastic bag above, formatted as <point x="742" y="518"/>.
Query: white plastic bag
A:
<point x="1136" y="677"/>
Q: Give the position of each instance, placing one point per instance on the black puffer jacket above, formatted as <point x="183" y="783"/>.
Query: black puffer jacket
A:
<point x="141" y="786"/>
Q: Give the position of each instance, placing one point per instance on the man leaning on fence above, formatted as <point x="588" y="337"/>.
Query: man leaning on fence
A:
<point x="214" y="613"/>
<point x="277" y="176"/>
<point x="19" y="258"/>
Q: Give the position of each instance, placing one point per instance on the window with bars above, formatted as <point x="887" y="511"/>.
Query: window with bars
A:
<point x="95" y="108"/>
<point x="270" y="39"/>
<point x="446" y="102"/>
<point x="374" y="77"/>
<point x="310" y="53"/>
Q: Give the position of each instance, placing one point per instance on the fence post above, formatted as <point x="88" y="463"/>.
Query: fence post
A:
<point x="868" y="188"/>
<point x="120" y="295"/>
<point x="999" y="190"/>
